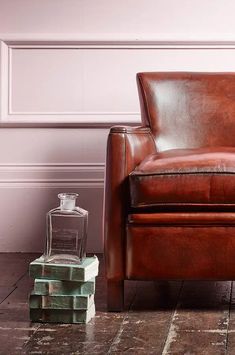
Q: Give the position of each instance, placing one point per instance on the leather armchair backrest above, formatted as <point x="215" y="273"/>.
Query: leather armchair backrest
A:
<point x="188" y="110"/>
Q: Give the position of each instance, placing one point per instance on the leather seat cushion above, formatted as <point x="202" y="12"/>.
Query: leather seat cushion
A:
<point x="185" y="176"/>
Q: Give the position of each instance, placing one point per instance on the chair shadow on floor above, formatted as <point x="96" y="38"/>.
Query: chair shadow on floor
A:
<point x="163" y="295"/>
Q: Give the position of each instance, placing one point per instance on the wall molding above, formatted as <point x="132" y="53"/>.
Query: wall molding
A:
<point x="118" y="40"/>
<point x="10" y="118"/>
<point x="87" y="175"/>
<point x="122" y="44"/>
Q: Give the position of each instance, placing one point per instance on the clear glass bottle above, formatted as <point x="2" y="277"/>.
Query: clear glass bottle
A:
<point x="66" y="231"/>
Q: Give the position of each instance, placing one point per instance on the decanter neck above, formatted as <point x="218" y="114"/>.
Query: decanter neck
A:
<point x="67" y="204"/>
<point x="67" y="201"/>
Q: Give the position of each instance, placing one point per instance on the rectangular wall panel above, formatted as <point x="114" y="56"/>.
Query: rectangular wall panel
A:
<point x="92" y="84"/>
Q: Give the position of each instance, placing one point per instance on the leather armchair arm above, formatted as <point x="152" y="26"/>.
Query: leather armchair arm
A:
<point x="126" y="148"/>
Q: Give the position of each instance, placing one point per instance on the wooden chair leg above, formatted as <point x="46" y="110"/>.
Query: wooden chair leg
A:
<point x="115" y="301"/>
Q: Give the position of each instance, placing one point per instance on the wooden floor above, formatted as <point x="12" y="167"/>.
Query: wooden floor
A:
<point x="160" y="318"/>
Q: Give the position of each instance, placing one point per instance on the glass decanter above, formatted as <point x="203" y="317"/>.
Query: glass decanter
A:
<point x="66" y="231"/>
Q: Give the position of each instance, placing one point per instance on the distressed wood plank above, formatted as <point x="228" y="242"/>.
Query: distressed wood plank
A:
<point x="200" y="321"/>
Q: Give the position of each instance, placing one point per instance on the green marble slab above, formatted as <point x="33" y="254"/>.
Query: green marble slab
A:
<point x="61" y="302"/>
<point x="57" y="287"/>
<point x="62" y="316"/>
<point x="38" y="269"/>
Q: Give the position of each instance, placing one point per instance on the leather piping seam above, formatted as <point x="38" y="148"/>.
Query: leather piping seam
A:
<point x="175" y="225"/>
<point x="195" y="204"/>
<point x="141" y="132"/>
<point x="146" y="175"/>
<point x="125" y="175"/>
<point x="144" y="99"/>
<point x="138" y="133"/>
<point x="178" y="204"/>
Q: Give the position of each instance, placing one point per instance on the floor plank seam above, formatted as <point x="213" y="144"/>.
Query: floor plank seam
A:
<point x="229" y="312"/>
<point x="120" y="330"/>
<point x="171" y="326"/>
<point x="20" y="278"/>
<point x="8" y="295"/>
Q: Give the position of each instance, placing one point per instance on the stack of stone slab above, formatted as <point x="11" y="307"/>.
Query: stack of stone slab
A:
<point x="63" y="293"/>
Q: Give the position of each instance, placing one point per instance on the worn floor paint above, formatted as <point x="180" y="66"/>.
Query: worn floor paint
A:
<point x="159" y="318"/>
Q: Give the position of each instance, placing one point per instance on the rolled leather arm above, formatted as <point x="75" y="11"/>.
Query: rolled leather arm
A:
<point x="126" y="148"/>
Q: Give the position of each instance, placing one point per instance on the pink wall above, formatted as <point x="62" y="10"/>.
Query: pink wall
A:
<point x="70" y="64"/>
<point x="167" y="19"/>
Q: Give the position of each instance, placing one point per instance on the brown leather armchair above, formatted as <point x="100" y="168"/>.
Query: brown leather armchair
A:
<point x="170" y="184"/>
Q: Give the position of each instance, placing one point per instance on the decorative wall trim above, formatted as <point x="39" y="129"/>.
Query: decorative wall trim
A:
<point x="89" y="184"/>
<point x="10" y="118"/>
<point x="89" y="175"/>
<point x="4" y="79"/>
<point x="118" y="41"/>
